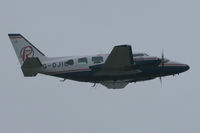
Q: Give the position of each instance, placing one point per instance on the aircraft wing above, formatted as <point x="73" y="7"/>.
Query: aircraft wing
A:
<point x="120" y="57"/>
<point x="119" y="62"/>
<point x="114" y="84"/>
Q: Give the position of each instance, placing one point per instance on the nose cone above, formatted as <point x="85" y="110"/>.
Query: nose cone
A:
<point x="186" y="67"/>
<point x="172" y="68"/>
<point x="183" y="68"/>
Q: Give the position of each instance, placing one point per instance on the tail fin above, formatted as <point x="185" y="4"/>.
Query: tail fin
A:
<point x="28" y="55"/>
<point x="24" y="49"/>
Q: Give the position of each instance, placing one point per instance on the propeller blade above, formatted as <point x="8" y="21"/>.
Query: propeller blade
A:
<point x="162" y="55"/>
<point x="162" y="59"/>
<point x="162" y="63"/>
<point x="160" y="80"/>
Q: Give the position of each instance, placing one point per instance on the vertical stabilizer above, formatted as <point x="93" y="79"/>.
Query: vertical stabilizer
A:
<point x="24" y="49"/>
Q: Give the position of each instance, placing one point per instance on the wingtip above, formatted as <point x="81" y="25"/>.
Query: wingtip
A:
<point x="124" y="45"/>
<point x="14" y="34"/>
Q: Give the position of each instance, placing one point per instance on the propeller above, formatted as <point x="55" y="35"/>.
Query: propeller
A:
<point x="160" y="80"/>
<point x="162" y="64"/>
<point x="162" y="59"/>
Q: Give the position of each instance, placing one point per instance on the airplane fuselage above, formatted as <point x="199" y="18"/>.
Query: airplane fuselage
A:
<point x="148" y="68"/>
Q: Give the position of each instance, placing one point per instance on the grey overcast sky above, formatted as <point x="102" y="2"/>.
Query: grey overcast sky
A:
<point x="83" y="27"/>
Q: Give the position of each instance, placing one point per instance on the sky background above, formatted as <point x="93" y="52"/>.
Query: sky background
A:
<point x="43" y="104"/>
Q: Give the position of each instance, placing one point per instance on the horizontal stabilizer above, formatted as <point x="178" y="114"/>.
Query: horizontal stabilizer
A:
<point x="30" y="66"/>
<point x="32" y="63"/>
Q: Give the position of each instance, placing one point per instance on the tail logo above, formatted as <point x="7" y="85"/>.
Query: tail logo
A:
<point x="26" y="52"/>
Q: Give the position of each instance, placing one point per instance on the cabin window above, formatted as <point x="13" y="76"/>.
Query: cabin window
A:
<point x="166" y="60"/>
<point x="69" y="62"/>
<point x="97" y="59"/>
<point x="82" y="60"/>
<point x="136" y="55"/>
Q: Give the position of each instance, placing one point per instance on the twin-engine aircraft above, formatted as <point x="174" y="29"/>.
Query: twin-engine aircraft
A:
<point x="114" y="70"/>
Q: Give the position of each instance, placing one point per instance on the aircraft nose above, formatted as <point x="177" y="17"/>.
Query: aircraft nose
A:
<point x="176" y="68"/>
<point x="184" y="67"/>
<point x="187" y="67"/>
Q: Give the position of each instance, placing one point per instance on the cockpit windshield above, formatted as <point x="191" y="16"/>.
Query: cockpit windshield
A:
<point x="166" y="60"/>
